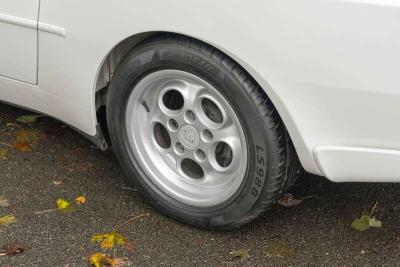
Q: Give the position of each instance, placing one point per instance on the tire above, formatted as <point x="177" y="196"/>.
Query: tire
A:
<point x="246" y="190"/>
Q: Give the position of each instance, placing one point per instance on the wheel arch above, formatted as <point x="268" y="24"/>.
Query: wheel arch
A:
<point x="120" y="50"/>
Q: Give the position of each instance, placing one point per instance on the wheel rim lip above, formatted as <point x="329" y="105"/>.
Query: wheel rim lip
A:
<point x="169" y="179"/>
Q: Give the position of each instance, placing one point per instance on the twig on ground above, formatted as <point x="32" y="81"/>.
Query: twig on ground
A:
<point x="45" y="211"/>
<point x="131" y="220"/>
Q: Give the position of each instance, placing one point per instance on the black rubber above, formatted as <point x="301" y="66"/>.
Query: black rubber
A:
<point x="273" y="164"/>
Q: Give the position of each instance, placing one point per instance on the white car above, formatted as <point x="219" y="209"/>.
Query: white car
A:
<point x="214" y="107"/>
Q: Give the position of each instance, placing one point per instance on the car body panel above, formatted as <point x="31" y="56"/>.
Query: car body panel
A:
<point x="18" y="46"/>
<point x="330" y="67"/>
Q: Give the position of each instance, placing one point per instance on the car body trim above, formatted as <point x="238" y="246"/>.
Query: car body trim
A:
<point x="32" y="24"/>
<point x="358" y="164"/>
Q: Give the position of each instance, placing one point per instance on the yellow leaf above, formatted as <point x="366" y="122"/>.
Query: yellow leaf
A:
<point x="8" y="219"/>
<point x="100" y="260"/>
<point x="109" y="240"/>
<point x="62" y="204"/>
<point x="3" y="153"/>
<point x="242" y="255"/>
<point x="80" y="200"/>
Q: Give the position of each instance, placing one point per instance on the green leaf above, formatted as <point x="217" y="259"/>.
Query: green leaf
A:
<point x="365" y="222"/>
<point x="375" y="223"/>
<point x="29" y="118"/>
<point x="242" y="255"/>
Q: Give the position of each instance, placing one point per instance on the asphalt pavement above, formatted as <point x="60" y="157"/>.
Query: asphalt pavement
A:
<point x="61" y="164"/>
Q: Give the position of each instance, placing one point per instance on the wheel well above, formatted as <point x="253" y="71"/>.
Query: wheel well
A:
<point x="110" y="64"/>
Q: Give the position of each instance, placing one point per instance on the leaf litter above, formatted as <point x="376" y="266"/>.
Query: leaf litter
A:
<point x="367" y="221"/>
<point x="241" y="255"/>
<point x="109" y="240"/>
<point x="101" y="260"/>
<point x="4" y="202"/>
<point x="8" y="219"/>
<point x="27" y="119"/>
<point x="3" y="153"/>
<point x="279" y="250"/>
<point x="12" y="249"/>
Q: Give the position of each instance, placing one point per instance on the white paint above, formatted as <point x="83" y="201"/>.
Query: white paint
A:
<point x="53" y="29"/>
<point x="18" y="46"/>
<point x="331" y="67"/>
<point x="354" y="164"/>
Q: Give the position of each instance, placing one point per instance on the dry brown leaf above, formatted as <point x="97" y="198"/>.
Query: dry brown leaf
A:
<point x="22" y="147"/>
<point x="57" y="183"/>
<point x="12" y="249"/>
<point x="129" y="246"/>
<point x="279" y="250"/>
<point x="4" y="202"/>
<point x="28" y="136"/>
<point x="289" y="201"/>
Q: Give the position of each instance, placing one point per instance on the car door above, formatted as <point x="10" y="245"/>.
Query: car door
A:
<point x="18" y="39"/>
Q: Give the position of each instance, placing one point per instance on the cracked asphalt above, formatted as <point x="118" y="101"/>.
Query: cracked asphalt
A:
<point x="315" y="233"/>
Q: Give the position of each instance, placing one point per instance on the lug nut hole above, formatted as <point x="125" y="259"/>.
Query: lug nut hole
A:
<point x="200" y="155"/>
<point x="207" y="135"/>
<point x="190" y="116"/>
<point x="173" y="125"/>
<point x="179" y="149"/>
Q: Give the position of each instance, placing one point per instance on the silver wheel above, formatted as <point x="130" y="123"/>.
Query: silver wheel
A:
<point x="186" y="138"/>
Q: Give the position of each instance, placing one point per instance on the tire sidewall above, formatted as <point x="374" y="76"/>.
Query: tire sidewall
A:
<point x="155" y="56"/>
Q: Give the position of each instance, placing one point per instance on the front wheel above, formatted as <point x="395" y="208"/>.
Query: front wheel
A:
<point x="196" y="135"/>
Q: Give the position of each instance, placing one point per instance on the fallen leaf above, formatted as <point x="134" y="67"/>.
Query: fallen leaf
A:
<point x="109" y="240"/>
<point x="365" y="222"/>
<point x="101" y="260"/>
<point x="80" y="200"/>
<point x="3" y="153"/>
<point x="241" y="255"/>
<point x="12" y="249"/>
<point x="63" y="204"/>
<point x="28" y="136"/>
<point x="57" y="183"/>
<point x="22" y="147"/>
<point x="129" y="246"/>
<point x="289" y="201"/>
<point x="121" y="262"/>
<point x="279" y="250"/>
<point x="375" y="223"/>
<point x="8" y="219"/>
<point x="28" y="118"/>
<point x="4" y="202"/>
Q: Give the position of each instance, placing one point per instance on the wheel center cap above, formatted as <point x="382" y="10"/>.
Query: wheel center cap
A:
<point x="189" y="136"/>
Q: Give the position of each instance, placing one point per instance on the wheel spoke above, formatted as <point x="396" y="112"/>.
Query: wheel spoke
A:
<point x="196" y="150"/>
